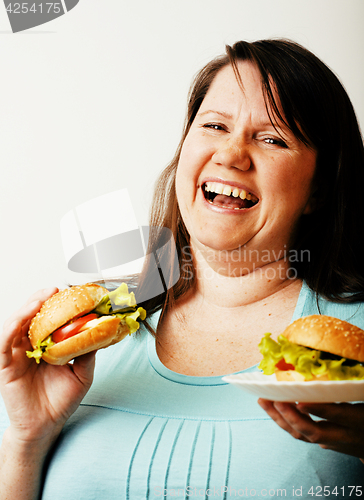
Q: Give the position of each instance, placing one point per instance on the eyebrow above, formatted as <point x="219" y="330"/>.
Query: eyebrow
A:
<point x="221" y="113"/>
<point x="275" y="125"/>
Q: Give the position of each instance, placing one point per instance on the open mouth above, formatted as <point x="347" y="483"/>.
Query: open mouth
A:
<point x="226" y="196"/>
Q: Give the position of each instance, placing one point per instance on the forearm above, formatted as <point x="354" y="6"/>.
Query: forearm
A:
<point x="21" y="468"/>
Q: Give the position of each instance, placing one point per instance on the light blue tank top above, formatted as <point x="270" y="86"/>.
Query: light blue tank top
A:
<point x="145" y="432"/>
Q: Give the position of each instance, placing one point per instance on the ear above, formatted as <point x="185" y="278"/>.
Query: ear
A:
<point x="316" y="200"/>
<point x="311" y="206"/>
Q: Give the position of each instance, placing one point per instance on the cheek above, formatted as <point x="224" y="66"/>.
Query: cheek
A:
<point x="185" y="184"/>
<point x="195" y="154"/>
<point x="189" y="167"/>
<point x="179" y="186"/>
<point x="293" y="181"/>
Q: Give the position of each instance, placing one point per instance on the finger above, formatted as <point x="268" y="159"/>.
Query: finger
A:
<point x="340" y="413"/>
<point x="83" y="367"/>
<point x="38" y="297"/>
<point x="322" y="432"/>
<point x="6" y="342"/>
<point x="25" y="314"/>
<point x="15" y="330"/>
<point x="42" y="295"/>
<point x="269" y="407"/>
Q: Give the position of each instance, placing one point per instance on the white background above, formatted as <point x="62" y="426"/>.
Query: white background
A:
<point x="94" y="101"/>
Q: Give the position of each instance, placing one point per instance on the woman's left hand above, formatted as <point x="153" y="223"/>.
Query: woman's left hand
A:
<point x="341" y="428"/>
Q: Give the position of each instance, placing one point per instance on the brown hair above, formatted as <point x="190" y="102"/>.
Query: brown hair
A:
<point x="317" y="109"/>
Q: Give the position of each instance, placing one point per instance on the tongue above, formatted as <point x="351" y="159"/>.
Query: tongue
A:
<point x="229" y="201"/>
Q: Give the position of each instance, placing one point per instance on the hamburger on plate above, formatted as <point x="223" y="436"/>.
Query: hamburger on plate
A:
<point x="315" y="347"/>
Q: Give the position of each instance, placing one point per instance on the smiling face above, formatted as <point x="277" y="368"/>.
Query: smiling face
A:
<point x="239" y="183"/>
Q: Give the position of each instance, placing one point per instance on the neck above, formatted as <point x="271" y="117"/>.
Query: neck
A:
<point x="224" y="290"/>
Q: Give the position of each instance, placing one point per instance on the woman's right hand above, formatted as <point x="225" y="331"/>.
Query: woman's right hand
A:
<point x="39" y="398"/>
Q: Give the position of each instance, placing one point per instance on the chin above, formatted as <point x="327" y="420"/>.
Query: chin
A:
<point x="216" y="243"/>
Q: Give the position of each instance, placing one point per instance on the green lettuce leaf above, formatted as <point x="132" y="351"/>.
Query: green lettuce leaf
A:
<point x="42" y="346"/>
<point x="121" y="303"/>
<point x="131" y="318"/>
<point x="306" y="361"/>
<point x="118" y="300"/>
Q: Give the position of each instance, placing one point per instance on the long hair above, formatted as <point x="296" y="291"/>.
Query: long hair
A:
<point x="313" y="104"/>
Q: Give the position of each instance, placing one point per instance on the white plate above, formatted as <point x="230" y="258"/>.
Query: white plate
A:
<point x="266" y="386"/>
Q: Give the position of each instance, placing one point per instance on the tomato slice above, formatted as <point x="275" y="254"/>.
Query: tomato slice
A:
<point x="71" y="329"/>
<point x="283" y="366"/>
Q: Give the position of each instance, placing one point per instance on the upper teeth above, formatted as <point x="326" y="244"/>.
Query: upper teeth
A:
<point x="218" y="188"/>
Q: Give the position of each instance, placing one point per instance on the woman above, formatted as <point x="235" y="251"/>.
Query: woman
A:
<point x="269" y="166"/>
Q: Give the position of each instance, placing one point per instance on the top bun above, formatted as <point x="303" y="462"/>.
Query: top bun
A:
<point x="328" y="334"/>
<point x="62" y="307"/>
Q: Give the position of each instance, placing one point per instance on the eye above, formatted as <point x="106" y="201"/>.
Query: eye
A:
<point x="275" y="142"/>
<point x="214" y="126"/>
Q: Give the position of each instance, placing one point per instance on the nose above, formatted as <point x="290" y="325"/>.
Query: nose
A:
<point x="233" y="153"/>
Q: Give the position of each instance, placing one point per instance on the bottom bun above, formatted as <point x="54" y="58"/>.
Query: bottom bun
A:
<point x="294" y="376"/>
<point x="108" y="330"/>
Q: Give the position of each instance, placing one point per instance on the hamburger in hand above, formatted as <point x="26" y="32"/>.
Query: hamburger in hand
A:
<point x="315" y="348"/>
<point x="81" y="319"/>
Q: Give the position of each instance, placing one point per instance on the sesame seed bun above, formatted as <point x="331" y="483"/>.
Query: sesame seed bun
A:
<point x="328" y="334"/>
<point x="109" y="330"/>
<point x="70" y="304"/>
